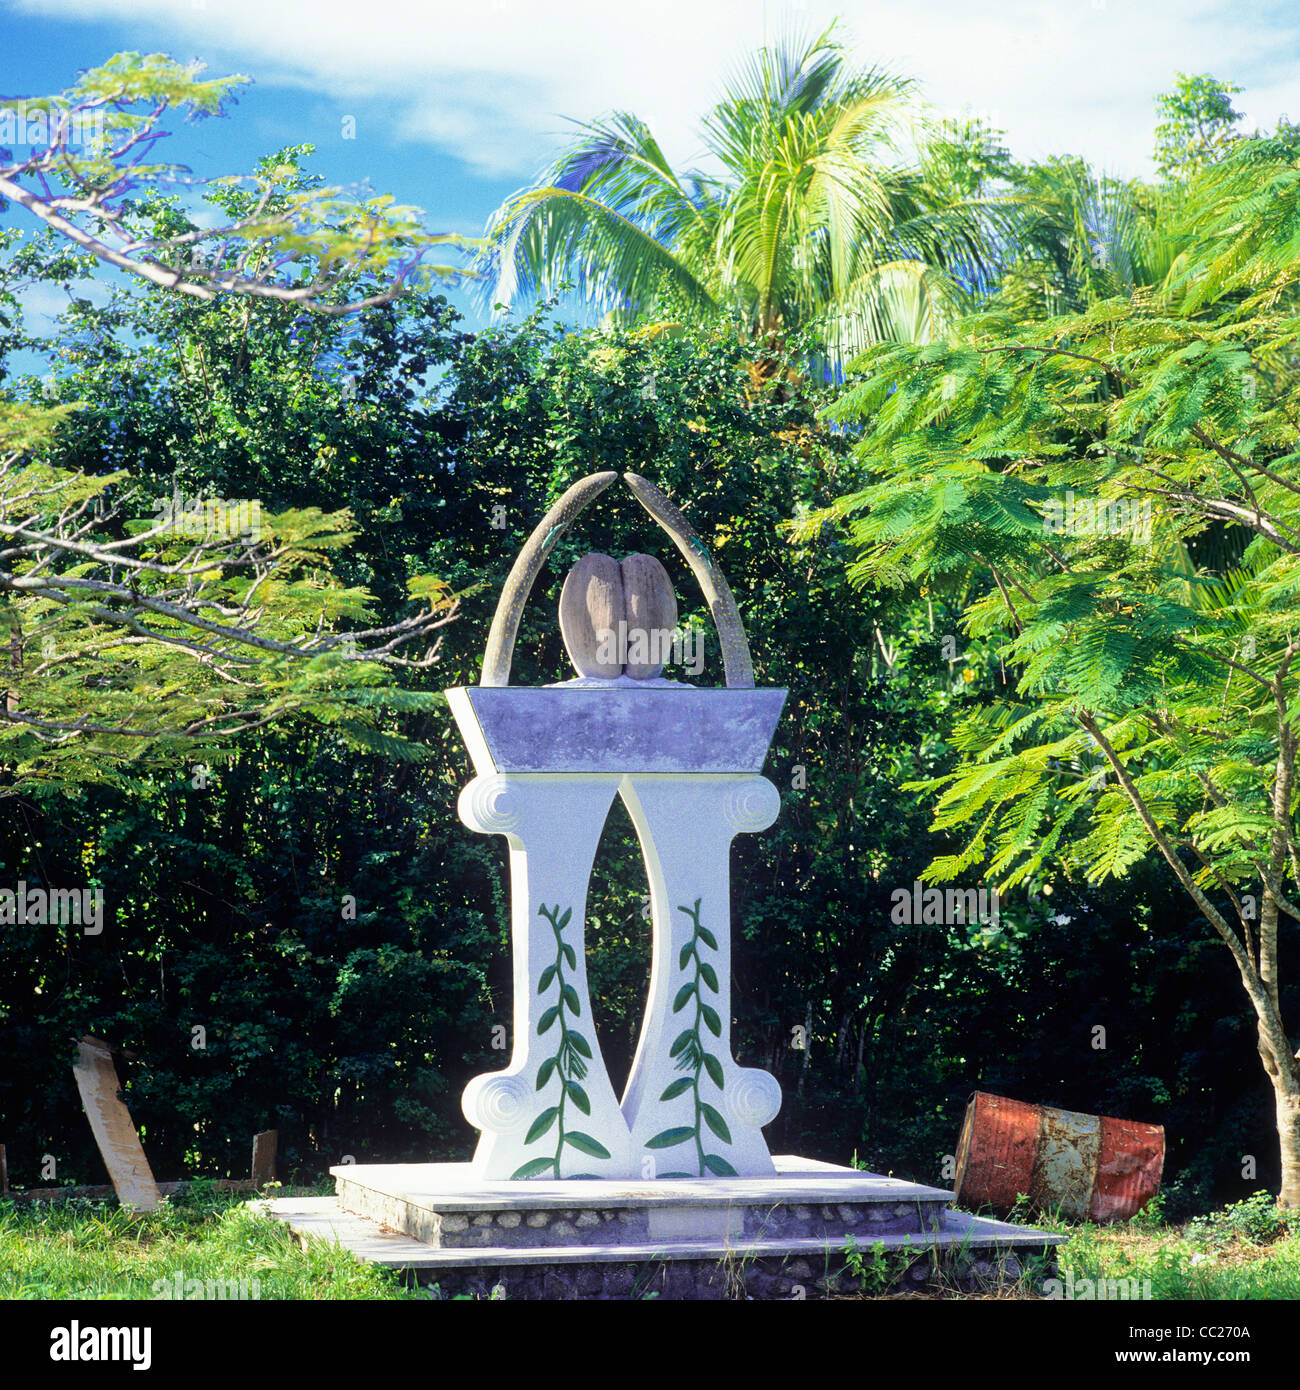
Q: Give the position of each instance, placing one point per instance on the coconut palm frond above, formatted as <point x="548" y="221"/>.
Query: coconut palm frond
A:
<point x="820" y="214"/>
<point x="549" y="235"/>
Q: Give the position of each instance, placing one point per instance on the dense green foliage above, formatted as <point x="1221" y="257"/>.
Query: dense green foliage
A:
<point x="140" y="628"/>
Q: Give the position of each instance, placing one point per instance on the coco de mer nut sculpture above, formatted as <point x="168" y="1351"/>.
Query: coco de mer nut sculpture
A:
<point x="686" y="761"/>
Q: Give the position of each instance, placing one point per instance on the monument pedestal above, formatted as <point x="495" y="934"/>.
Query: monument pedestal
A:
<point x="792" y="1235"/>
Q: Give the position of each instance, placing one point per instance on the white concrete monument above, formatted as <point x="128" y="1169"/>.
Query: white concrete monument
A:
<point x="686" y="761"/>
<point x="670" y="1189"/>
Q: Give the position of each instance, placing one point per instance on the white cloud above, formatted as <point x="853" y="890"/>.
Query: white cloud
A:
<point x="490" y="81"/>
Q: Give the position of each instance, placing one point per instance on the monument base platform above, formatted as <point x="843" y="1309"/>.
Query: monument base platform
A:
<point x="804" y="1233"/>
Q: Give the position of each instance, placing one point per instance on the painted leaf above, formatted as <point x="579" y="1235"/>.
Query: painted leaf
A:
<point x="714" y="1069"/>
<point x="719" y="1166"/>
<point x="533" y="1168"/>
<point x="685" y="955"/>
<point x="586" y="1144"/>
<point x="542" y="1123"/>
<point x="544" y="1072"/>
<point x="564" y="919"/>
<point x="677" y="1088"/>
<point x="670" y="1138"/>
<point x="548" y="1018"/>
<point x="571" y="999"/>
<point x="571" y="957"/>
<point x="715" y="1122"/>
<point x="683" y="995"/>
<point x="708" y="938"/>
<point x="579" y="1043"/>
<point x="710" y="976"/>
<point x="713" y="1021"/>
<point x="545" y="982"/>
<point x="578" y="1096"/>
<point x="683" y="1039"/>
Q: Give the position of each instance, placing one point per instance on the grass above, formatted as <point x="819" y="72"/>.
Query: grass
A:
<point x="1248" y="1250"/>
<point x="96" y="1249"/>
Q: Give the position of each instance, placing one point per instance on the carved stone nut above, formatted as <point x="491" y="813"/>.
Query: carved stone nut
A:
<point x="618" y="619"/>
<point x="593" y="612"/>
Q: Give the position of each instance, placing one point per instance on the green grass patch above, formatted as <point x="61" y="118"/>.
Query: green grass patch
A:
<point x="218" y="1247"/>
<point x="1248" y="1250"/>
<point x="97" y="1249"/>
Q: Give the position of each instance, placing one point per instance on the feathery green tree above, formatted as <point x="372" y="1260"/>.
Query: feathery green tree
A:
<point x="1199" y="125"/>
<point x="1066" y="466"/>
<point x="126" y="637"/>
<point x="86" y="163"/>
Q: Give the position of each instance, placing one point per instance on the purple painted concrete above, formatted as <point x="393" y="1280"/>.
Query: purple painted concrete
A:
<point x="658" y="729"/>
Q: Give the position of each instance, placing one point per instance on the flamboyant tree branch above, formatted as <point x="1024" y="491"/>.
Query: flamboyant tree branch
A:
<point x="308" y="243"/>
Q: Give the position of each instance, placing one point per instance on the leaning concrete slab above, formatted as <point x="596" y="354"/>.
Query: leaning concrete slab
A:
<point x="110" y="1121"/>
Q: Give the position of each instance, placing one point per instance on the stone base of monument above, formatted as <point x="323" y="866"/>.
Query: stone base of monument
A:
<point x="799" y="1234"/>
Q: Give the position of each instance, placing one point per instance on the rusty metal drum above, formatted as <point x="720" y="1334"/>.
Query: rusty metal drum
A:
<point x="1087" y="1167"/>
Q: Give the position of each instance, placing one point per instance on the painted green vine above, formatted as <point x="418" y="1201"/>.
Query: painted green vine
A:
<point x="568" y="1065"/>
<point x="692" y="1057"/>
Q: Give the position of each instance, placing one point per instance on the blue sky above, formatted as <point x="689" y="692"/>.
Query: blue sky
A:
<point x="456" y="105"/>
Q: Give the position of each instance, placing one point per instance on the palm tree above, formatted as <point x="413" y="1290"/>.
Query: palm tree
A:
<point x="1082" y="237"/>
<point x="812" y="214"/>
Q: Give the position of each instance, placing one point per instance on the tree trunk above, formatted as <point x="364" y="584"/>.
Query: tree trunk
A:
<point x="1259" y="977"/>
<point x="807" y="1049"/>
<point x="1288" y="1130"/>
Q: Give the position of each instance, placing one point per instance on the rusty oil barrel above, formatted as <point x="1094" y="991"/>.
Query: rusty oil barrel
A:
<point x="1089" y="1167"/>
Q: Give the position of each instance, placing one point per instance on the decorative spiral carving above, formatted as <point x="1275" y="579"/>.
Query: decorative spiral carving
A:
<point x="751" y="805"/>
<point x="497" y="1102"/>
<point x="489" y="805"/>
<point x="753" y="1097"/>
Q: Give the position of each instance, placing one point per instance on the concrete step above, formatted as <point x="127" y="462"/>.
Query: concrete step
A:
<point x="966" y="1253"/>
<point x="446" y="1206"/>
<point x="322" y="1218"/>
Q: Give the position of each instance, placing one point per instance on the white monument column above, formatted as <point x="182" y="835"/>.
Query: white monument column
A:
<point x="552" y="1112"/>
<point x="685" y="759"/>
<point x="692" y="1111"/>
